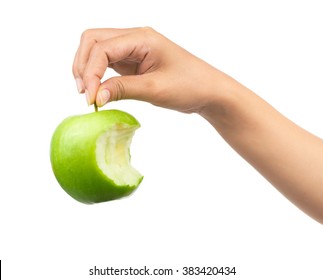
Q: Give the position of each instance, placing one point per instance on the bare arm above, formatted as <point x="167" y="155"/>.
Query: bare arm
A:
<point x="156" y="70"/>
<point x="285" y="154"/>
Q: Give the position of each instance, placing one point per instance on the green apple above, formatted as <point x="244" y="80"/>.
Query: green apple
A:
<point x="90" y="156"/>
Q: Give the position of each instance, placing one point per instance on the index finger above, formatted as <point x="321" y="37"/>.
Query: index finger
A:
<point x="88" y="39"/>
<point x="129" y="46"/>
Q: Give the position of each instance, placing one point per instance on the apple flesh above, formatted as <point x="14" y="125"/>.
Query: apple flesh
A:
<point x="90" y="156"/>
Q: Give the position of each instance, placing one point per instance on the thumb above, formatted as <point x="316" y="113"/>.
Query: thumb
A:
<point x="139" y="87"/>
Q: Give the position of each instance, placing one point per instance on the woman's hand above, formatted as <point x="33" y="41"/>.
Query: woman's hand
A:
<point x="152" y="69"/>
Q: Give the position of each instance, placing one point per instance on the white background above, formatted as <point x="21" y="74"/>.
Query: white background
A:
<point x="200" y="204"/>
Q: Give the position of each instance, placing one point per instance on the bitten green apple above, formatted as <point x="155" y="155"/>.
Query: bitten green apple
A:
<point x="90" y="156"/>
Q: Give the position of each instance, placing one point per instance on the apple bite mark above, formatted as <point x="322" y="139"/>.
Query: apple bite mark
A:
<point x="113" y="155"/>
<point x="90" y="156"/>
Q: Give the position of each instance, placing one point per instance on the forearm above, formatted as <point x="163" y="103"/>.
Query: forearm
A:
<point x="285" y="154"/>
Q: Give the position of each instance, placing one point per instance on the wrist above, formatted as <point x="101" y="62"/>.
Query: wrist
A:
<point x="221" y="98"/>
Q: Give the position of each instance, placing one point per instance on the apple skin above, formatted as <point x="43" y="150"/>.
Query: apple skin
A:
<point x="73" y="156"/>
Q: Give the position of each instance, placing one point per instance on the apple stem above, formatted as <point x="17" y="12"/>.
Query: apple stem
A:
<point x="95" y="107"/>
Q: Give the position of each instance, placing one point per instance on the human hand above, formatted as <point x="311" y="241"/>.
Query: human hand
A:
<point x="152" y="69"/>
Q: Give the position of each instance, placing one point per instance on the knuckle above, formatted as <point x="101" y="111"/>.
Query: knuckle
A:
<point x="148" y="34"/>
<point x="147" y="30"/>
<point x="120" y="90"/>
<point x="87" y="35"/>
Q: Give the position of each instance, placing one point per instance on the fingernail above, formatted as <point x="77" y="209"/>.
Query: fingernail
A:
<point x="79" y="85"/>
<point x="88" y="97"/>
<point x="103" y="97"/>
